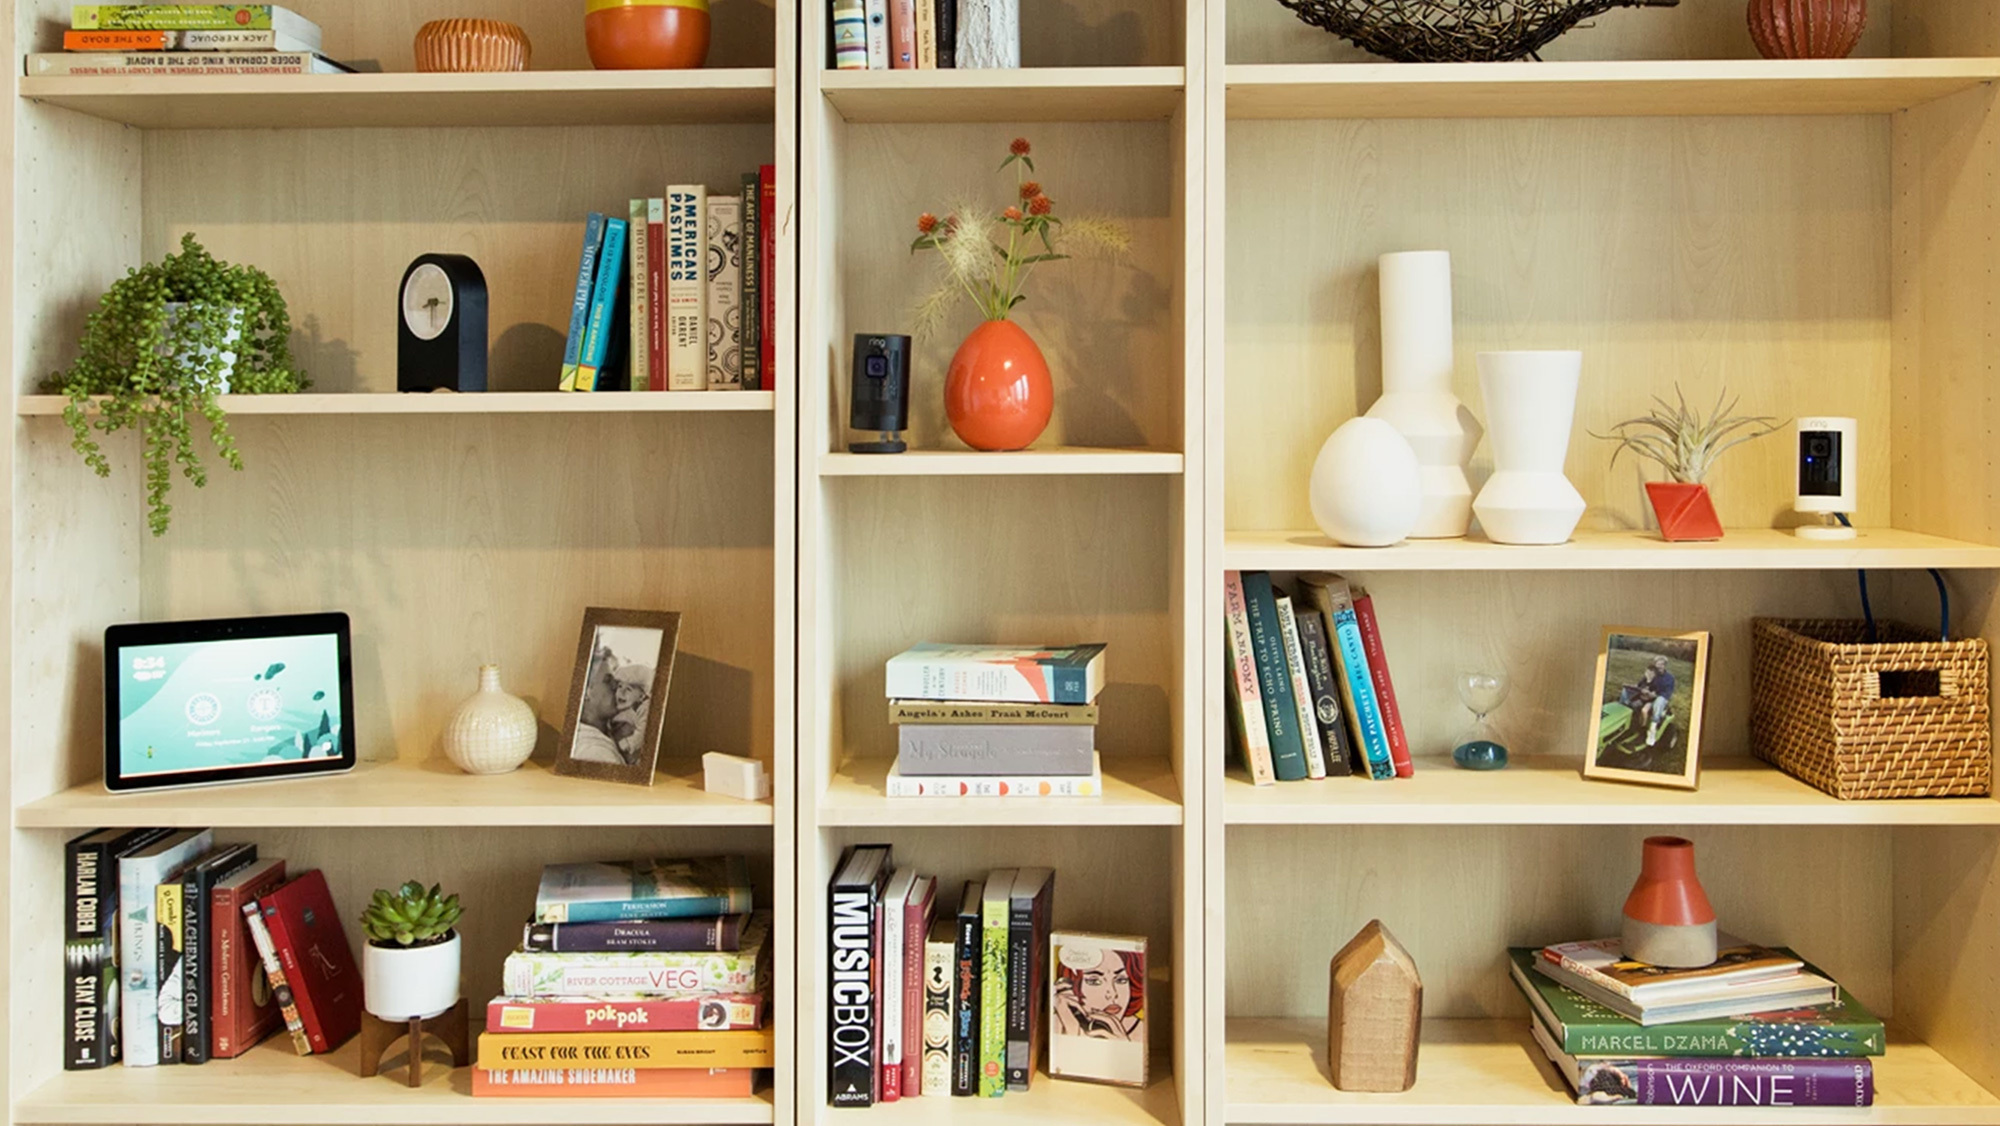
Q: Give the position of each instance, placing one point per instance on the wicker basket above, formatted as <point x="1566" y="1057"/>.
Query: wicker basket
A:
<point x="1821" y="711"/>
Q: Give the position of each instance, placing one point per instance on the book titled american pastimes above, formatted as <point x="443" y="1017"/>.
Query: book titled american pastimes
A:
<point x="1033" y="674"/>
<point x="603" y="892"/>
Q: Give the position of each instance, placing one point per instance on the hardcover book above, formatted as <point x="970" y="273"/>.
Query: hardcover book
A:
<point x="767" y="275"/>
<point x="642" y="973"/>
<point x="1603" y="963"/>
<point x="852" y="977"/>
<point x="281" y="983"/>
<point x="747" y="1048"/>
<point x="1719" y="990"/>
<point x="1357" y="687"/>
<point x="998" y="749"/>
<point x="714" y="1012"/>
<point x="902" y="35"/>
<point x="656" y="307"/>
<point x="616" y="1082"/>
<point x="993" y="922"/>
<point x="609" y="891"/>
<point x="1246" y="699"/>
<point x="306" y="932"/>
<point x="195" y="63"/>
<point x="926" y="50"/>
<point x="918" y="909"/>
<point x="1324" y="682"/>
<point x="1071" y="674"/>
<point x="1097" y="1008"/>
<point x="894" y="965"/>
<point x="169" y="921"/>
<point x="878" y="33"/>
<point x="92" y="942"/>
<point x="723" y="274"/>
<point x="1713" y="1082"/>
<point x="604" y="292"/>
<point x="139" y="874"/>
<point x="185" y="41"/>
<point x="751" y="298"/>
<point x="195" y="17"/>
<point x="242" y="1007"/>
<point x="1088" y="785"/>
<point x="947" y="33"/>
<point x="198" y="945"/>
<point x="954" y="713"/>
<point x="1385" y="688"/>
<point x="579" y="310"/>
<point x="1031" y="907"/>
<point x="968" y="950"/>
<point x="638" y="287"/>
<point x="687" y="289"/>
<point x="1274" y="681"/>
<point x="717" y="932"/>
<point x="940" y="968"/>
<point x="1295" y="668"/>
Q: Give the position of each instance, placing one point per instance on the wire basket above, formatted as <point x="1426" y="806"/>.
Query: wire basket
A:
<point x="1455" y="31"/>
<point x="1905" y="716"/>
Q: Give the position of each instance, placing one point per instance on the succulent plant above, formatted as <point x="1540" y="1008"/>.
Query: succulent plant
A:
<point x="410" y="916"/>
<point x="1683" y="442"/>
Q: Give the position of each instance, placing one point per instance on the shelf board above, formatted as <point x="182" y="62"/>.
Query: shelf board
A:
<point x="373" y="794"/>
<point x="1046" y="1101"/>
<point x="546" y="97"/>
<point x="1095" y="93"/>
<point x="271" y="1084"/>
<point x="1550" y="790"/>
<point x="1055" y="461"/>
<point x="484" y="402"/>
<point x="1754" y="87"/>
<point x="1137" y="791"/>
<point x="1748" y="549"/>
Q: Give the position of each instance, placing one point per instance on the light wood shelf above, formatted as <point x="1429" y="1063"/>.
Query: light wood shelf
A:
<point x="1107" y="93"/>
<point x="485" y="402"/>
<point x="374" y="794"/>
<point x="1044" y="1103"/>
<point x="1758" y="549"/>
<point x="1490" y="1072"/>
<point x="1137" y="791"/>
<point x="587" y="97"/>
<point x="1685" y="88"/>
<point x="1052" y="461"/>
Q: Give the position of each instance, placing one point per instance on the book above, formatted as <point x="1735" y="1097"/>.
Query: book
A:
<point x="1032" y="674"/>
<point x="1385" y="689"/>
<point x="940" y="972"/>
<point x="1716" y="997"/>
<point x="1089" y="785"/>
<point x="947" y="34"/>
<point x="603" y="293"/>
<point x="1322" y="680"/>
<point x="139" y="873"/>
<point x="92" y="942"/>
<point x="611" y="374"/>
<point x="1030" y="908"/>
<point x="1274" y="683"/>
<point x="1602" y="962"/>
<point x="198" y="944"/>
<point x="852" y="898"/>
<point x="616" y="1082"/>
<point x="195" y="17"/>
<point x="1357" y="688"/>
<point x="968" y="939"/>
<point x="186" y="41"/>
<point x="714" y="1012"/>
<point x="1712" y="1082"/>
<point x="990" y="714"/>
<point x="656" y="304"/>
<point x="894" y="900"/>
<point x="274" y="972"/>
<point x="1097" y="1008"/>
<point x="169" y="920"/>
<point x="1245" y="698"/>
<point x="918" y="909"/>
<point x="850" y="35"/>
<point x="743" y="1048"/>
<point x="994" y="907"/>
<point x="926" y="12"/>
<point x="878" y="33"/>
<point x="750" y="295"/>
<point x="767" y="277"/>
<point x="306" y="932"/>
<point x="198" y="63"/>
<point x="639" y="291"/>
<point x="642" y="973"/>
<point x="579" y="310"/>
<point x="687" y="289"/>
<point x="937" y="750"/>
<point x="608" y="891"/>
<point x="902" y="35"/>
<point x="1295" y="669"/>
<point x="713" y="932"/>
<point x="1582" y="1027"/>
<point x="241" y="1008"/>
<point x="722" y="273"/>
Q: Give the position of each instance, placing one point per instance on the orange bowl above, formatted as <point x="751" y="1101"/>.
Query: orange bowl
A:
<point x="646" y="34"/>
<point x="463" y="46"/>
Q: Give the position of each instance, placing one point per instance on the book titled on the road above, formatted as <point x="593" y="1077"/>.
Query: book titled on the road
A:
<point x="1032" y="674"/>
<point x="194" y="17"/>
<point x="83" y="64"/>
<point x="1654" y="1081"/>
<point x="642" y="973"/>
<point x="1091" y="785"/>
<point x="186" y="41"/>
<point x="1743" y="978"/>
<point x="607" y="891"/>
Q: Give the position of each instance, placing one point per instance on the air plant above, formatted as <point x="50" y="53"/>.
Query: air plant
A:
<point x="1684" y="442"/>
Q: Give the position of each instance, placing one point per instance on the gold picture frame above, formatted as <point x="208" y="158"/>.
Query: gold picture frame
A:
<point x="1638" y="733"/>
<point x="617" y="699"/>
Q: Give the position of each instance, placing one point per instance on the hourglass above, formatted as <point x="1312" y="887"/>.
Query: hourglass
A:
<point x="1480" y="748"/>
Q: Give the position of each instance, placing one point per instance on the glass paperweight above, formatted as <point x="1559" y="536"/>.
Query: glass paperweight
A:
<point x="1480" y="747"/>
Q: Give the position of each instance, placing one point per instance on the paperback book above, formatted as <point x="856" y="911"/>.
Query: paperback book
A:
<point x="953" y="713"/>
<point x="1033" y="674"/>
<point x="744" y="1048"/>
<point x="938" y="750"/>
<point x="993" y="921"/>
<point x="139" y="875"/>
<point x="197" y="63"/>
<point x="609" y="891"/>
<point x="92" y="942"/>
<point x="719" y="932"/>
<point x="194" y="17"/>
<point x="1090" y="785"/>
<point x="641" y="973"/>
<point x="616" y="1082"/>
<point x="1744" y="978"/>
<point x="715" y="1012"/>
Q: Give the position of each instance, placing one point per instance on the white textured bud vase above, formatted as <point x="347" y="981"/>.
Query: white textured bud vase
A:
<point x="491" y="732"/>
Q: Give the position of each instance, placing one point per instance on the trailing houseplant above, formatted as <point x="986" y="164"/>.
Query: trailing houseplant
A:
<point x="1686" y="443"/>
<point x="998" y="394"/>
<point x="163" y="342"/>
<point x="410" y="967"/>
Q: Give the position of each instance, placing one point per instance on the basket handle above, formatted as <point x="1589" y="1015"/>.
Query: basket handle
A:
<point x="1908" y="680"/>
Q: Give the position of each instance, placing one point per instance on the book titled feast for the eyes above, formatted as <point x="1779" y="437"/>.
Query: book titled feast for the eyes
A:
<point x="1033" y="674"/>
<point x="598" y="892"/>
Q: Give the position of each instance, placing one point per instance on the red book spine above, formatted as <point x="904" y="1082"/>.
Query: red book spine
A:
<point x="902" y="34"/>
<point x="767" y="276"/>
<point x="916" y="928"/>
<point x="224" y="920"/>
<point x="714" y="1013"/>
<point x="656" y="301"/>
<point x="1385" y="690"/>
<point x="301" y="996"/>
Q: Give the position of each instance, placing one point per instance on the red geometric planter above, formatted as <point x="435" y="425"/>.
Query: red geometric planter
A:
<point x="1685" y="512"/>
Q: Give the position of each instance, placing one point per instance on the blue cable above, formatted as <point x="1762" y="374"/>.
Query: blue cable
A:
<point x="1867" y="610"/>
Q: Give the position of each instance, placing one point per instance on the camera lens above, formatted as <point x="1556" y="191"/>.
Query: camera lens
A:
<point x="877" y="367"/>
<point x="1818" y="446"/>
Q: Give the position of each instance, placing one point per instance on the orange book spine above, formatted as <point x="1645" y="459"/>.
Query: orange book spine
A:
<point x="902" y="34"/>
<point x="616" y="1082"/>
<point x="117" y="40"/>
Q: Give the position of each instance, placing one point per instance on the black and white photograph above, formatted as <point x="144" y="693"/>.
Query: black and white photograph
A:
<point x="624" y="664"/>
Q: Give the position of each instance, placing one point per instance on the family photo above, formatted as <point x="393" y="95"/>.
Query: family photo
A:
<point x="1650" y="688"/>
<point x="625" y="659"/>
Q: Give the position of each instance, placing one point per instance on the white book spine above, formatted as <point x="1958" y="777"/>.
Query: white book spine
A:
<point x="139" y="941"/>
<point x="687" y="321"/>
<point x="724" y="271"/>
<point x="640" y="346"/>
<point x="940" y="967"/>
<point x="984" y="786"/>
<point x="878" y="34"/>
<point x="892" y="966"/>
<point x="1302" y="697"/>
<point x="199" y="63"/>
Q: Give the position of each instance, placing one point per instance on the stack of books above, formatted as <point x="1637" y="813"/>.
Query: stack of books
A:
<point x="672" y="296"/>
<point x="894" y="34"/>
<point x="196" y="39"/>
<point x="995" y="721"/>
<point x="927" y="1001"/>
<point x="643" y="978"/>
<point x="1308" y="681"/>
<point x="1759" y="1027"/>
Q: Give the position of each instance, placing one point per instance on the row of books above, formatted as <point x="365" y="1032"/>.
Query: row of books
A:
<point x="1758" y="1027"/>
<point x="193" y="39"/>
<point x="170" y="940"/>
<point x="1308" y="683"/>
<point x="675" y="296"/>
<point x="995" y="721"/>
<point x="642" y="978"/>
<point x="894" y="34"/>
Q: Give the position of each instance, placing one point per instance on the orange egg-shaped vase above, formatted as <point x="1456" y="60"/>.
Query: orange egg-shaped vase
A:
<point x="998" y="394"/>
<point x="646" y="34"/>
<point x="1807" y="29"/>
<point x="470" y="46"/>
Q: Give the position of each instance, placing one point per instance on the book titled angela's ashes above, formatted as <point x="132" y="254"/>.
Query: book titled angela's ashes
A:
<point x="853" y="900"/>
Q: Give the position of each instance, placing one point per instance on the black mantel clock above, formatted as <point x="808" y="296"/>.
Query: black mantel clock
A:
<point x="441" y="325"/>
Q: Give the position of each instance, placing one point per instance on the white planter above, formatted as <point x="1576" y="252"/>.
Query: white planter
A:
<point x="235" y="333"/>
<point x="491" y="732"/>
<point x="1530" y="404"/>
<point x="1366" y="488"/>
<point x="1416" y="387"/>
<point x="407" y="983"/>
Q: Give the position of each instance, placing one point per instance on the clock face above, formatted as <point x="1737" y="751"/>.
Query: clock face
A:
<point x="427" y="302"/>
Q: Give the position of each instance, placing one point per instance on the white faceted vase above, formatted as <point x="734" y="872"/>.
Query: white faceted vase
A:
<point x="1416" y="387"/>
<point x="1530" y="404"/>
<point x="491" y="732"/>
<point x="1366" y="487"/>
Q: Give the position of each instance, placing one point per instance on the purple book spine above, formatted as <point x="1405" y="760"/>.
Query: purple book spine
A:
<point x="1729" y="1082"/>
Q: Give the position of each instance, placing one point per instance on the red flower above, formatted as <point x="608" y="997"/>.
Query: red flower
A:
<point x="926" y="223"/>
<point x="1019" y="147"/>
<point x="1011" y="214"/>
<point x="1041" y="205"/>
<point x="1030" y="190"/>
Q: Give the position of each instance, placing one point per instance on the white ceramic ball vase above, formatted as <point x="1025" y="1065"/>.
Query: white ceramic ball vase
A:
<point x="403" y="983"/>
<point x="1367" y="489"/>
<point x="491" y="732"/>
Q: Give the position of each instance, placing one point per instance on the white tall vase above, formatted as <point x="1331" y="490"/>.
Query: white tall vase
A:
<point x="1416" y="386"/>
<point x="1530" y="405"/>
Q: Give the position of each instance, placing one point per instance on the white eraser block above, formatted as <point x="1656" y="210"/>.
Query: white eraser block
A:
<point x="734" y="775"/>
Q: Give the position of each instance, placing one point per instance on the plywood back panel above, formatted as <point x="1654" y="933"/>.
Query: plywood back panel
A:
<point x="1747" y="253"/>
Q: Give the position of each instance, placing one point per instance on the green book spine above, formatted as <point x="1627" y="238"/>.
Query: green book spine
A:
<point x="171" y="17"/>
<point x="1281" y="717"/>
<point x="994" y="915"/>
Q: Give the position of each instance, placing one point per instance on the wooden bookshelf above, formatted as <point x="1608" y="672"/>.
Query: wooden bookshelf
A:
<point x="1123" y="93"/>
<point x="1022" y="463"/>
<point x="1742" y="549"/>
<point x="1137" y="791"/>
<point x="488" y="402"/>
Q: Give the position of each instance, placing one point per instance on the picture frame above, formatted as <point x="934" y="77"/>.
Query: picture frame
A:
<point x="618" y="695"/>
<point x="1638" y="734"/>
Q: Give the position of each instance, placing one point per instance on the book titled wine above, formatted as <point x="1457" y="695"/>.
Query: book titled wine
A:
<point x="743" y="1048"/>
<point x="306" y="932"/>
<point x="940" y="968"/>
<point x="967" y="950"/>
<point x="1245" y="697"/>
<point x="242" y="1007"/>
<point x="722" y="273"/>
<point x="641" y="973"/>
<point x="1274" y="681"/>
<point x="139" y="874"/>
<point x="1091" y="785"/>
<point x="719" y="932"/>
<point x="1713" y="1082"/>
<point x="608" y="891"/>
<point x="615" y="1082"/>
<point x="1031" y="906"/>
<point x="993" y="922"/>
<point x="939" y="750"/>
<point x="579" y="309"/>
<point x="194" y="17"/>
<point x="1034" y="674"/>
<point x="91" y="943"/>
<point x="714" y="1012"/>
<point x="198" y="945"/>
<point x="853" y="897"/>
<point x="186" y="41"/>
<point x="197" y="63"/>
<point x="687" y="289"/>
<point x="925" y="713"/>
<point x="1385" y="687"/>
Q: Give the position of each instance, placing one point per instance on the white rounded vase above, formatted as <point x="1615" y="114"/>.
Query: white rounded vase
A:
<point x="491" y="732"/>
<point x="1530" y="405"/>
<point x="1416" y="387"/>
<point x="1367" y="490"/>
<point x="410" y="982"/>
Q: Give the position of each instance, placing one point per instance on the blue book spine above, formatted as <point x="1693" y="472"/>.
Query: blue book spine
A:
<point x="1367" y="711"/>
<point x="579" y="309"/>
<point x="1281" y="715"/>
<point x="597" y="336"/>
<point x="625" y="910"/>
